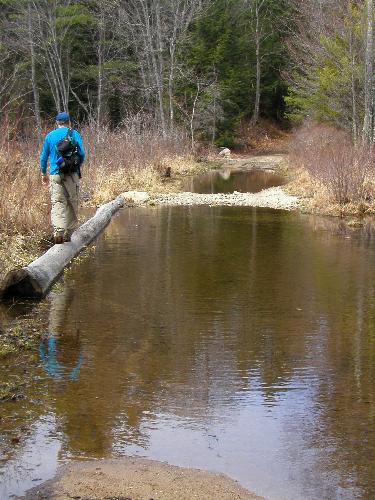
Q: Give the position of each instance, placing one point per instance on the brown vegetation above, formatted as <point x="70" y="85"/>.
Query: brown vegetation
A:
<point x="134" y="157"/>
<point x="335" y="176"/>
<point x="265" y="137"/>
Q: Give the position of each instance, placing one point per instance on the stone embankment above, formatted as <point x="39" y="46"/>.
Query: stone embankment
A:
<point x="269" y="198"/>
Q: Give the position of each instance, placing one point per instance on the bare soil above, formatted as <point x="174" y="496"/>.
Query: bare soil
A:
<point x="138" y="479"/>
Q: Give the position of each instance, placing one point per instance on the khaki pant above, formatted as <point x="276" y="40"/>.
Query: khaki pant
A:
<point x="64" y="197"/>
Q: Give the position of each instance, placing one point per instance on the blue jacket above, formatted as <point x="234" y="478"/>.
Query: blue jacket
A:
<point x="49" y="150"/>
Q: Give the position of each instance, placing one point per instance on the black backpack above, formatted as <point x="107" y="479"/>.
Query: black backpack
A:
<point x="69" y="161"/>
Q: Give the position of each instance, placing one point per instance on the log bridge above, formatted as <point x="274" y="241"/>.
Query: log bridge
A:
<point x="35" y="280"/>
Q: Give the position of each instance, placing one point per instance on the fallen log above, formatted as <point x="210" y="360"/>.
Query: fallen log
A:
<point x="35" y="280"/>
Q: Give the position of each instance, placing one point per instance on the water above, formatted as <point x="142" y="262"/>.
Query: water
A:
<point x="229" y="180"/>
<point x="230" y="339"/>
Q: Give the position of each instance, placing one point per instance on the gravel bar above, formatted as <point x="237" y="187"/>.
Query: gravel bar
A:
<point x="268" y="198"/>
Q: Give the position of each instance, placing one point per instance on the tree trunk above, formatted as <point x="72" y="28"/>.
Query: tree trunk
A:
<point x="156" y="59"/>
<point x="100" y="69"/>
<point x="354" y="92"/>
<point x="193" y="116"/>
<point x="160" y="63"/>
<point x="255" y="117"/>
<point x="35" y="280"/>
<point x="367" y="133"/>
<point x="170" y="88"/>
<point x="38" y="121"/>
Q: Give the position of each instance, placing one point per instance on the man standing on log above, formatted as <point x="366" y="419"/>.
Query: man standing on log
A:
<point x="64" y="148"/>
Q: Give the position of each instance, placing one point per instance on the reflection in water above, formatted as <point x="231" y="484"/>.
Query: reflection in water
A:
<point x="50" y="350"/>
<point x="35" y="461"/>
<point x="48" y="355"/>
<point x="231" y="180"/>
<point x="237" y="340"/>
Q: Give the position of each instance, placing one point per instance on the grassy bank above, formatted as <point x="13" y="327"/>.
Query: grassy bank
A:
<point x="137" y="157"/>
<point x="330" y="174"/>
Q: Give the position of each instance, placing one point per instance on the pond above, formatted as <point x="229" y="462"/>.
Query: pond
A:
<point x="229" y="180"/>
<point x="236" y="340"/>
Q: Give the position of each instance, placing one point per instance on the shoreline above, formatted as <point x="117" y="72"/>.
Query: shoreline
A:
<point x="275" y="198"/>
<point x="28" y="247"/>
<point x="138" y="479"/>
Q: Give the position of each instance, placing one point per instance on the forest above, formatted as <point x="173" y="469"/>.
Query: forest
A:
<point x="230" y="328"/>
<point x="201" y="65"/>
<point x="148" y="80"/>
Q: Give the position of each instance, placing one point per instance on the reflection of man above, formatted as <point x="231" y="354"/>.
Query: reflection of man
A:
<point x="48" y="355"/>
<point x="60" y="351"/>
<point x="63" y="146"/>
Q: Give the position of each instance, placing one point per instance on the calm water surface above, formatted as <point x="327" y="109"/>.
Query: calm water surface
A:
<point x="229" y="180"/>
<point x="234" y="340"/>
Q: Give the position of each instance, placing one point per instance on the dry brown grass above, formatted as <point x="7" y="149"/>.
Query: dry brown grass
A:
<point x="330" y="174"/>
<point x="134" y="157"/>
<point x="24" y="205"/>
<point x="264" y="138"/>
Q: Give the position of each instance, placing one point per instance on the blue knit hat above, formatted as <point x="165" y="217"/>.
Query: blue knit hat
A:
<point x="62" y="117"/>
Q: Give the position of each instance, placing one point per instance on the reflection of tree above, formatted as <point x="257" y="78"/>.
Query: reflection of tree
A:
<point x="344" y="281"/>
<point x="176" y="304"/>
<point x="183" y="309"/>
<point x="228" y="181"/>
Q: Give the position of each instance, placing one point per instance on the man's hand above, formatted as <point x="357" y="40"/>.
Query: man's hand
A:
<point x="45" y="179"/>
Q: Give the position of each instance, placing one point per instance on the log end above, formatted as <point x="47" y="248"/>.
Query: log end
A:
<point x="20" y="284"/>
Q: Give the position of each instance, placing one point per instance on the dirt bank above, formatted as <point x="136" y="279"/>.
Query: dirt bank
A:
<point x="19" y="250"/>
<point x="138" y="479"/>
<point x="268" y="198"/>
<point x="275" y="197"/>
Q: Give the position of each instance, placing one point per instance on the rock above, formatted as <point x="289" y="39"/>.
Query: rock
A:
<point x="225" y="153"/>
<point x="136" y="197"/>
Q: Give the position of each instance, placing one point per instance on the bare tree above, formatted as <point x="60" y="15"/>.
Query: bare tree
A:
<point x="52" y="40"/>
<point x="10" y="92"/>
<point x="262" y="26"/>
<point x="105" y="36"/>
<point x="257" y="7"/>
<point x="158" y="27"/>
<point x="31" y="43"/>
<point x="368" y="122"/>
<point x="18" y="33"/>
<point x="328" y="33"/>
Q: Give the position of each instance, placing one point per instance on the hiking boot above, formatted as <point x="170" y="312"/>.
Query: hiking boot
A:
<point x="68" y="236"/>
<point x="59" y="239"/>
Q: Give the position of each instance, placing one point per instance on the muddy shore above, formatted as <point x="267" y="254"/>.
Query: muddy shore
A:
<point x="268" y="198"/>
<point x="138" y="479"/>
<point x="274" y="197"/>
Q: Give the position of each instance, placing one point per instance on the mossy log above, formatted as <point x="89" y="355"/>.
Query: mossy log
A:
<point x="35" y="280"/>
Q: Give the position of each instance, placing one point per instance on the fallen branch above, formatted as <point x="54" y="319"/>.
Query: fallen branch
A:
<point x="35" y="280"/>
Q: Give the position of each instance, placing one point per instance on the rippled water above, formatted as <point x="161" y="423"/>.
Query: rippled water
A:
<point x="231" y="339"/>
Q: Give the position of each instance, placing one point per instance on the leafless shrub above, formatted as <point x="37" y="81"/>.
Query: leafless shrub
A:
<point x="24" y="203"/>
<point x="131" y="157"/>
<point x="332" y="159"/>
<point x="130" y="154"/>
